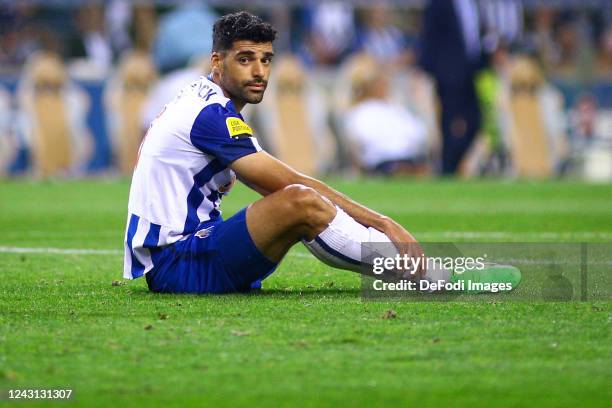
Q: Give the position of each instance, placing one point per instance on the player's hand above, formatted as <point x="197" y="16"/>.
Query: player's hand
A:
<point x="405" y="243"/>
<point x="224" y="189"/>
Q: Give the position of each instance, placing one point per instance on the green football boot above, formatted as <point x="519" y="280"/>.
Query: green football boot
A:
<point x="489" y="279"/>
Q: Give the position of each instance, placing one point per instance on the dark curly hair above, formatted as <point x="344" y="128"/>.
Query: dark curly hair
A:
<point x="241" y="25"/>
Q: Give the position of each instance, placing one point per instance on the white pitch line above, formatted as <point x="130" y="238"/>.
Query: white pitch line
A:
<point x="84" y="251"/>
<point x="59" y="251"/>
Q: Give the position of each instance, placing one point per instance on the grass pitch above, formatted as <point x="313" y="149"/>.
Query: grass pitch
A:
<point x="308" y="339"/>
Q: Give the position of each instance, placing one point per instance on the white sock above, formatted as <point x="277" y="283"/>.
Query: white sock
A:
<point x="340" y="245"/>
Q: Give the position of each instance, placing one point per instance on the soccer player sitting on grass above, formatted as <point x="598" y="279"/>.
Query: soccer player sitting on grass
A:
<point x="190" y="158"/>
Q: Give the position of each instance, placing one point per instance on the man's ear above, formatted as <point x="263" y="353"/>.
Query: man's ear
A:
<point x="216" y="63"/>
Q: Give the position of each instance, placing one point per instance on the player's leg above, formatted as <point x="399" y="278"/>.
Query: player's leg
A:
<point x="299" y="213"/>
<point x="279" y="220"/>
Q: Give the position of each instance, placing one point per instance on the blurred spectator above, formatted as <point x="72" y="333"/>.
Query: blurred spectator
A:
<point x="452" y="53"/>
<point x="91" y="44"/>
<point x="503" y="31"/>
<point x="183" y="34"/>
<point x="384" y="137"/>
<point x="591" y="140"/>
<point x="380" y="38"/>
<point x="489" y="154"/>
<point x="582" y="121"/>
<point x="52" y="117"/>
<point x="330" y="32"/>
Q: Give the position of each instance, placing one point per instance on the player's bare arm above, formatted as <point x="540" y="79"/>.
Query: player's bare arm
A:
<point x="266" y="174"/>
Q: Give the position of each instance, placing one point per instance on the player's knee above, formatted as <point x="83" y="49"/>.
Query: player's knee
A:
<point x="300" y="197"/>
<point x="308" y="205"/>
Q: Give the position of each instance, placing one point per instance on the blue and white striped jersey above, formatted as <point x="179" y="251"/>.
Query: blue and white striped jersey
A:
<point x="183" y="161"/>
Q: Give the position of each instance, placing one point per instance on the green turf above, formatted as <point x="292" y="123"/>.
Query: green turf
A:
<point x="308" y="339"/>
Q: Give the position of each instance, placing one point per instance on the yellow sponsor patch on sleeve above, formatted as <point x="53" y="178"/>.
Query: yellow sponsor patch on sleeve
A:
<point x="237" y="127"/>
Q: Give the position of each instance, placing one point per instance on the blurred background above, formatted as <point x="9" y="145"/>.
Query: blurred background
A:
<point x="417" y="88"/>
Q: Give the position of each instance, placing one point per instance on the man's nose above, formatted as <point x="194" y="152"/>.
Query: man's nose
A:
<point x="258" y="70"/>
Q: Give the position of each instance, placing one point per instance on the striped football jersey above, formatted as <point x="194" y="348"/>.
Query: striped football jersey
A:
<point x="183" y="161"/>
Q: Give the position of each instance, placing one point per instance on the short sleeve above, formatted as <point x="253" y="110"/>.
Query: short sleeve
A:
<point x="221" y="132"/>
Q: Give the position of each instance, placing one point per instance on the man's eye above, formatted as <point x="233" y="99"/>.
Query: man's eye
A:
<point x="267" y="61"/>
<point x="244" y="60"/>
